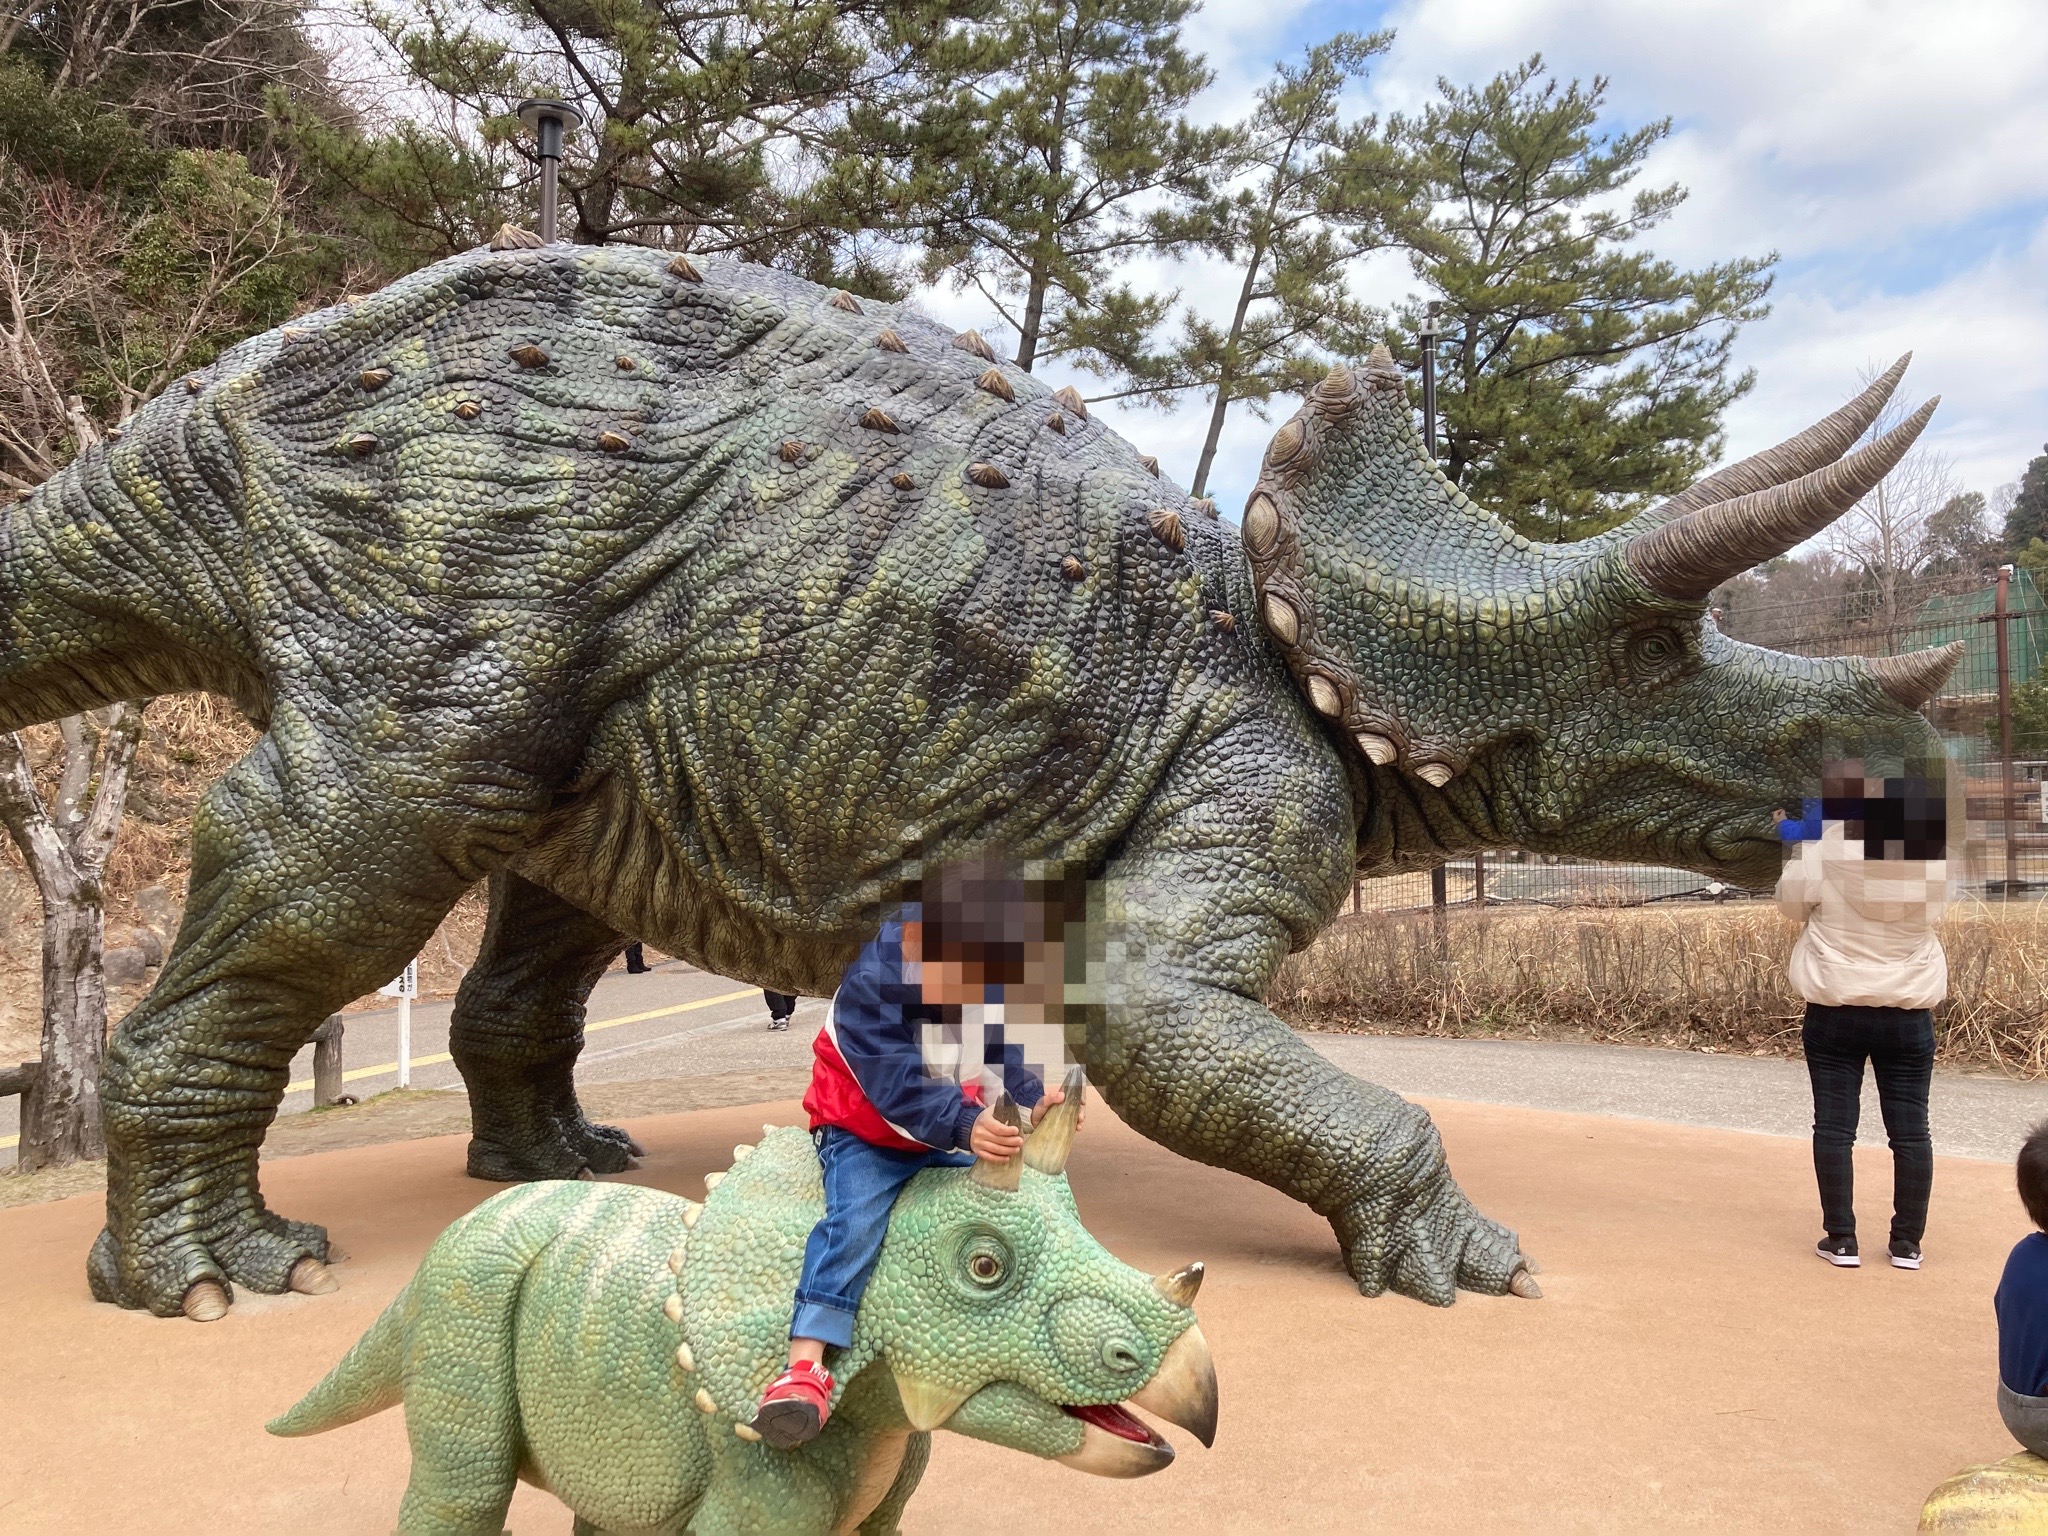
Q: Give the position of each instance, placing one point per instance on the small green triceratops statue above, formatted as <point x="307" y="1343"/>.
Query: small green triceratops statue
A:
<point x="609" y="1343"/>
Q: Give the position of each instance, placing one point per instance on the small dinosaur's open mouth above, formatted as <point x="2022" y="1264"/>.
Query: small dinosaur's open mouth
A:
<point x="1116" y="1420"/>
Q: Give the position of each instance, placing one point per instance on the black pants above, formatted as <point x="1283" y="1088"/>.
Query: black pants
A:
<point x="1900" y="1045"/>
<point x="780" y="1004"/>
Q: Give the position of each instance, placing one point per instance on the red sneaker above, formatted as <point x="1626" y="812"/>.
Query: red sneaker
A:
<point x="795" y="1406"/>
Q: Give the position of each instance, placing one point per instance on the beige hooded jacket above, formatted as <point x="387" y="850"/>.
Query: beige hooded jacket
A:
<point x="1869" y="938"/>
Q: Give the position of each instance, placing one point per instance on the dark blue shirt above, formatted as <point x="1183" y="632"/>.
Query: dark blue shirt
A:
<point x="2022" y="1306"/>
<point x="880" y="1025"/>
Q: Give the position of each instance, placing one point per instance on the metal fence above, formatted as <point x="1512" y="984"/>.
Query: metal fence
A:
<point x="1992" y="714"/>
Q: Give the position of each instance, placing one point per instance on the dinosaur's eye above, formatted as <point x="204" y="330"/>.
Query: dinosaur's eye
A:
<point x="1655" y="650"/>
<point x="986" y="1260"/>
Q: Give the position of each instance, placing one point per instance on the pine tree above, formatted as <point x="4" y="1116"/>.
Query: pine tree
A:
<point x="1052" y="162"/>
<point x="1581" y="376"/>
<point x="757" y="127"/>
<point x="1308" y="192"/>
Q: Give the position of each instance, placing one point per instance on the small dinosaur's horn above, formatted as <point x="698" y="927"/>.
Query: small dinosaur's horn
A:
<point x="1008" y="1172"/>
<point x="1053" y="1139"/>
<point x="1181" y="1286"/>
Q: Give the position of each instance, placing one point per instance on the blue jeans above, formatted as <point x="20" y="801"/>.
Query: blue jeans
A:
<point x="862" y="1181"/>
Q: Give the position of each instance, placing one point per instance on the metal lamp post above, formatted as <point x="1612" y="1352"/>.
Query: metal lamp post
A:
<point x="550" y="122"/>
<point x="1439" y="888"/>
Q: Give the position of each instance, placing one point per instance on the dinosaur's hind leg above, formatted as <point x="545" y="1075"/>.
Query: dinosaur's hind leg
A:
<point x="306" y="892"/>
<point x="517" y="1031"/>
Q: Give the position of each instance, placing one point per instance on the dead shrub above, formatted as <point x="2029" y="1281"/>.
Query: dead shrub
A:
<point x="1704" y="978"/>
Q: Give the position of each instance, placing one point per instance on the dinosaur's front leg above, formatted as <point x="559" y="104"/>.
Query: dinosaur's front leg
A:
<point x="1190" y="1057"/>
<point x="517" y="1031"/>
<point x="304" y="895"/>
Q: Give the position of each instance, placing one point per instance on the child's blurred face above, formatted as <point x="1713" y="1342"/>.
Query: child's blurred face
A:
<point x="967" y="977"/>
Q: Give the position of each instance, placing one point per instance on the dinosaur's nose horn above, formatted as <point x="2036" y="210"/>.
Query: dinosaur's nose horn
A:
<point x="1180" y="1286"/>
<point x="1183" y="1390"/>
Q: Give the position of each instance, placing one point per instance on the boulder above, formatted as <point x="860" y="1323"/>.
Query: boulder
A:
<point x="2001" y="1496"/>
<point x="125" y="966"/>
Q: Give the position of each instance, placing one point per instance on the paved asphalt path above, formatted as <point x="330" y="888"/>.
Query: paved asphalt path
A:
<point x="676" y="1021"/>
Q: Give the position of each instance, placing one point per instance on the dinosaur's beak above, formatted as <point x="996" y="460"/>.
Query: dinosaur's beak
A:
<point x="1183" y="1390"/>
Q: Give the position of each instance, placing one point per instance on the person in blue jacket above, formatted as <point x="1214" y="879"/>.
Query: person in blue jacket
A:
<point x="2021" y="1302"/>
<point x="904" y="1075"/>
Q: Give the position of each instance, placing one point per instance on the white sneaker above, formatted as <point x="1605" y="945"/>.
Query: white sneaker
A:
<point x="1905" y="1255"/>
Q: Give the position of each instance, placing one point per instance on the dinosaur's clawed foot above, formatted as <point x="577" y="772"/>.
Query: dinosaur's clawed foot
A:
<point x="182" y="1275"/>
<point x="1431" y="1248"/>
<point x="573" y="1146"/>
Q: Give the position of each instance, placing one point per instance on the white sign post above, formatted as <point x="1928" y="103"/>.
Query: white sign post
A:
<point x="405" y="986"/>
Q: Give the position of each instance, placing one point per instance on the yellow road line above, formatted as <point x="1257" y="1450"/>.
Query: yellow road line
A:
<point x="435" y="1060"/>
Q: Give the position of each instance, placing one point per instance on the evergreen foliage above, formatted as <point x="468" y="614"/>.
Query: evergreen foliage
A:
<point x="1308" y="192"/>
<point x="1581" y="376"/>
<point x="1059" y="156"/>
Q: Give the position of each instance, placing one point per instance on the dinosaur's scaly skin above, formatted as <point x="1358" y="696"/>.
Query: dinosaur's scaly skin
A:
<point x="539" y="1339"/>
<point x="691" y="604"/>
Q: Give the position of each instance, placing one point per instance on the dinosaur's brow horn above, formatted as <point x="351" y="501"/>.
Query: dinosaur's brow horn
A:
<point x="1691" y="555"/>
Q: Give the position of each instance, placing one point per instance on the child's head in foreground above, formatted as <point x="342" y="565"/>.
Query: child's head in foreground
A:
<point x="2031" y="1174"/>
<point x="989" y="923"/>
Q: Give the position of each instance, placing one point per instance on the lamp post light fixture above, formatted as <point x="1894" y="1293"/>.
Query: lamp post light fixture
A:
<point x="550" y="122"/>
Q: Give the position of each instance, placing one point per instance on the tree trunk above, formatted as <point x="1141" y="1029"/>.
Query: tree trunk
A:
<point x="1034" y="311"/>
<point x="1227" y="375"/>
<point x="67" y="855"/>
<point x="60" y="1114"/>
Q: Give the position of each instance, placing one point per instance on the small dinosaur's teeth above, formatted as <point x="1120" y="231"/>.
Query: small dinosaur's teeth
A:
<point x="767" y="1130"/>
<point x="684" y="1358"/>
<point x="703" y="1402"/>
<point x="672" y="1309"/>
<point x="747" y="1432"/>
<point x="675" y="1266"/>
<point x="713" y="1180"/>
<point x="742" y="1152"/>
<point x="691" y="1211"/>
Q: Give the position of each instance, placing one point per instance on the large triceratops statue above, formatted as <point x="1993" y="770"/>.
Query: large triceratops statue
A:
<point x="688" y="600"/>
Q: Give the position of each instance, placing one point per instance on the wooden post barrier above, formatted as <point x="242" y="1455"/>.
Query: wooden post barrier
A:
<point x="327" y="1062"/>
<point x="19" y="1079"/>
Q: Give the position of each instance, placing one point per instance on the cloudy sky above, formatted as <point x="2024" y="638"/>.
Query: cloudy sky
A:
<point x="1895" y="152"/>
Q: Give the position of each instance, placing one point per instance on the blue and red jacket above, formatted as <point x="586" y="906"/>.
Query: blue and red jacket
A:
<point x="899" y="1072"/>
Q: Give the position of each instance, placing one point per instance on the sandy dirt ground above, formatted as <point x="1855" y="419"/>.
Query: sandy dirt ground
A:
<point x="1692" y="1365"/>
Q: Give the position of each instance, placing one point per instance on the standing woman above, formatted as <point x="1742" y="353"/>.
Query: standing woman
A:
<point x="1869" y="879"/>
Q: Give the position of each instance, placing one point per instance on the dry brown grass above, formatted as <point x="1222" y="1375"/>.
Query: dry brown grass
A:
<point x="1704" y="978"/>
